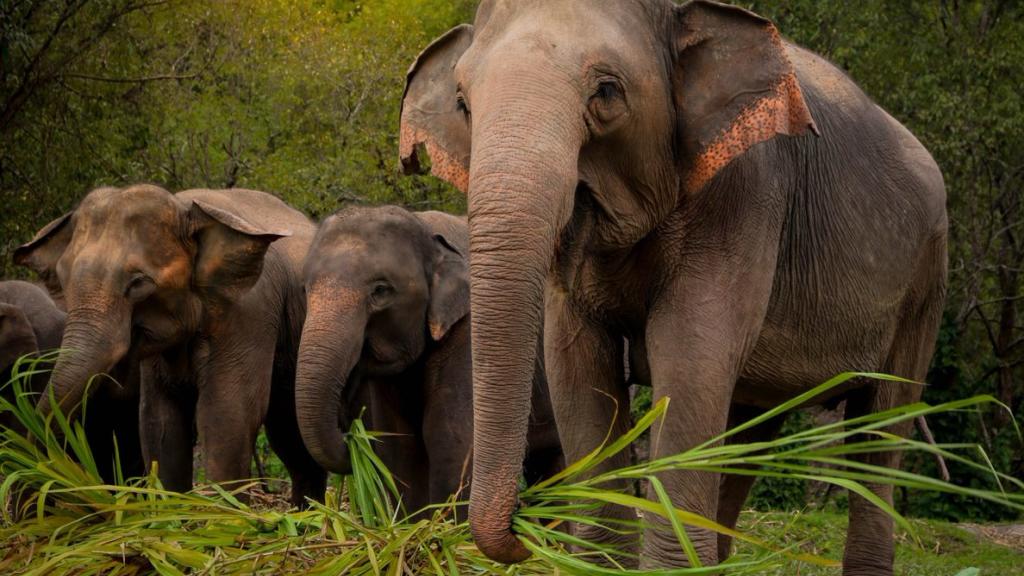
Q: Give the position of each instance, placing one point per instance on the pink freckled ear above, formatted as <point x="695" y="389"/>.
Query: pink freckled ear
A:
<point x="431" y="117"/>
<point x="734" y="87"/>
<point x="782" y="112"/>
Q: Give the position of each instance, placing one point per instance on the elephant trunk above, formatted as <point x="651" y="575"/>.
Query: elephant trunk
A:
<point x="94" y="341"/>
<point x="332" y="341"/>
<point x="522" y="187"/>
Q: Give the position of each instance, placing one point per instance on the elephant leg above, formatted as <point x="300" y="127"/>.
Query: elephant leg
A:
<point x="309" y="480"/>
<point x="590" y="400"/>
<point x="447" y="426"/>
<point x="691" y="419"/>
<point x="166" y="414"/>
<point x="697" y="342"/>
<point x="449" y="466"/>
<point x="234" y="395"/>
<point x="734" y="488"/>
<point x="870" y="548"/>
<point x="124" y="422"/>
<point x="127" y="431"/>
<point x="402" y="449"/>
<point x="542" y="464"/>
<point x="98" y="417"/>
<point x="112" y="428"/>
<point x="544" y="457"/>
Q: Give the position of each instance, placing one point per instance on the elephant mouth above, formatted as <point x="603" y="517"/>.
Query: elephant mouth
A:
<point x="145" y="342"/>
<point x="351" y="406"/>
<point x="385" y="360"/>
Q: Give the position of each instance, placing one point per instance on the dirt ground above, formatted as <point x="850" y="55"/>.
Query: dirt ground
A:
<point x="1009" y="535"/>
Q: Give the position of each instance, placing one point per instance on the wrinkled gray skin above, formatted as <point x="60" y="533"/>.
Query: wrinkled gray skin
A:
<point x="387" y="293"/>
<point x="202" y="290"/>
<point x="31" y="323"/>
<point x="653" y="169"/>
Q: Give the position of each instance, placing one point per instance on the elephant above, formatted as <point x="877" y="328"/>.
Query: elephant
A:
<point x="201" y="291"/>
<point x="387" y="294"/>
<point x="680" y="176"/>
<point x="31" y="323"/>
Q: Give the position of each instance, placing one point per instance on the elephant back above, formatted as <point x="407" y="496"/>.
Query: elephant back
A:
<point x="46" y="319"/>
<point x="265" y="211"/>
<point x="454" y="228"/>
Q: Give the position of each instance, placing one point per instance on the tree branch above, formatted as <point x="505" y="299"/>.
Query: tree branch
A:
<point x="156" y="78"/>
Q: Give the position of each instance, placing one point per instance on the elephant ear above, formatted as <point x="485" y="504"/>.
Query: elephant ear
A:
<point x="17" y="338"/>
<point x="734" y="87"/>
<point x="449" y="286"/>
<point x="229" y="253"/>
<point x="45" y="250"/>
<point x="431" y="117"/>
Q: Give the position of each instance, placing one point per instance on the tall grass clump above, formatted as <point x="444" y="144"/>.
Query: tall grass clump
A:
<point x="60" y="518"/>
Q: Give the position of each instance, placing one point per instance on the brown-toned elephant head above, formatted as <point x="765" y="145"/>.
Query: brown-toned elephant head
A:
<point x="381" y="284"/>
<point x="633" y="105"/>
<point x="138" y="269"/>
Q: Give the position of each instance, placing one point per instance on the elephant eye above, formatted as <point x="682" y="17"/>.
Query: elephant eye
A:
<point x="608" y="102"/>
<point x="381" y="290"/>
<point x="607" y="90"/>
<point x="140" y="287"/>
<point x="460" y="104"/>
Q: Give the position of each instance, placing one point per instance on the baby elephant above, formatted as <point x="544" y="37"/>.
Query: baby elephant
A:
<point x="30" y="323"/>
<point x="387" y="294"/>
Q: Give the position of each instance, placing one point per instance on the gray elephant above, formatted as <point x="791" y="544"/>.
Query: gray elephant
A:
<point x="387" y="293"/>
<point x="201" y="290"/>
<point x="681" y="176"/>
<point x="31" y="323"/>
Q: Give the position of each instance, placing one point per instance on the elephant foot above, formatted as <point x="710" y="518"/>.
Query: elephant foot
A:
<point x="308" y="488"/>
<point x="877" y="569"/>
<point x="867" y="565"/>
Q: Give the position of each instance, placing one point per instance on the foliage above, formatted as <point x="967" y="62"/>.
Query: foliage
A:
<point x="782" y="493"/>
<point x="63" y="519"/>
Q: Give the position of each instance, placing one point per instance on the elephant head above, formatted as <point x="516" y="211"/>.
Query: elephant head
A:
<point x="626" y="107"/>
<point x="138" y="269"/>
<point x="381" y="284"/>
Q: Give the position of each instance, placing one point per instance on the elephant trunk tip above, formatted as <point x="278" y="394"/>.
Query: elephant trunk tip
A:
<point x="492" y="532"/>
<point x="500" y="545"/>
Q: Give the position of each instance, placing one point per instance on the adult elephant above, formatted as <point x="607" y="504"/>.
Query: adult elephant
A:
<point x="202" y="290"/>
<point x="626" y="155"/>
<point x="387" y="328"/>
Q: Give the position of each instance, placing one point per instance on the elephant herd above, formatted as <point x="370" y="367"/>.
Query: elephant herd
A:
<point x="671" y="190"/>
<point x="217" y="312"/>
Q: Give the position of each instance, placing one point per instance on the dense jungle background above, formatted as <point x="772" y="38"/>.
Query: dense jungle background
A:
<point x="300" y="98"/>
